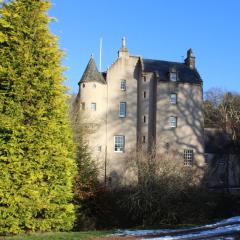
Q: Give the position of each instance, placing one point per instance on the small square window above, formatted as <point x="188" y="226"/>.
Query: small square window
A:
<point x="122" y="109"/>
<point x="173" y="122"/>
<point x="83" y="106"/>
<point x="93" y="107"/>
<point x="83" y="86"/>
<point x="119" y="143"/>
<point x="123" y="86"/>
<point x="173" y="76"/>
<point x="99" y="148"/>
<point x="188" y="157"/>
<point x="173" y="98"/>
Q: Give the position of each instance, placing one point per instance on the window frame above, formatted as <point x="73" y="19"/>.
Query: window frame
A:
<point x="119" y="143"/>
<point x="94" y="109"/>
<point x="171" y="76"/>
<point x="173" y="102"/>
<point x="123" y="85"/>
<point x="188" y="156"/>
<point x="171" y="122"/>
<point x="122" y="114"/>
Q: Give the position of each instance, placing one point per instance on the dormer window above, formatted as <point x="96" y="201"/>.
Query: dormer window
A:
<point x="173" y="76"/>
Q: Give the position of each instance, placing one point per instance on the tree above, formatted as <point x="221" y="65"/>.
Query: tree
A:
<point x="86" y="181"/>
<point x="222" y="110"/>
<point x="36" y="147"/>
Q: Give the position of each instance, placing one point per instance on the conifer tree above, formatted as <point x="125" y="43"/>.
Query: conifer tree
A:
<point x="36" y="146"/>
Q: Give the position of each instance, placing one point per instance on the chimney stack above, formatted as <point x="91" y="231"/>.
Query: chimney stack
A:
<point x="190" y="60"/>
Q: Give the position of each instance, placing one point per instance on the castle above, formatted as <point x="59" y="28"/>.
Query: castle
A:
<point x="140" y="103"/>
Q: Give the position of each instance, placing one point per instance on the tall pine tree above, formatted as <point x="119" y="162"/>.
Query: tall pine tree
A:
<point x="36" y="148"/>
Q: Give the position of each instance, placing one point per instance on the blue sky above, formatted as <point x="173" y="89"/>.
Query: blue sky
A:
<point x="158" y="29"/>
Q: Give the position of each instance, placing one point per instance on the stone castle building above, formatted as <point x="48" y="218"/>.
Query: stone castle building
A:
<point x="141" y="103"/>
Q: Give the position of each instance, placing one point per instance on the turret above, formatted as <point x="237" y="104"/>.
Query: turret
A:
<point x="91" y="73"/>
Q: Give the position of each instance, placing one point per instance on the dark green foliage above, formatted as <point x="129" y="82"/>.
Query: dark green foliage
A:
<point x="131" y="207"/>
<point x="86" y="181"/>
<point x="36" y="148"/>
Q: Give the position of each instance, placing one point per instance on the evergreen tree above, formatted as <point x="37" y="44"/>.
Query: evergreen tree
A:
<point x="36" y="147"/>
<point x="86" y="183"/>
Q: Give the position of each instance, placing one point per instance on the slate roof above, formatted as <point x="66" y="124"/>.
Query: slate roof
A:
<point x="162" y="68"/>
<point x="91" y="73"/>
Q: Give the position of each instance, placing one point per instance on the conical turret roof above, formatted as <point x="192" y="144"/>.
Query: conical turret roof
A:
<point x="91" y="73"/>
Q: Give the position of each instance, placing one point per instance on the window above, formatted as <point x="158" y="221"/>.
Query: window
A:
<point x="83" y="86"/>
<point x="123" y="86"/>
<point x="173" y="76"/>
<point x="99" y="148"/>
<point x="83" y="106"/>
<point x="144" y="79"/>
<point x="119" y="143"/>
<point x="122" y="109"/>
<point x="144" y="94"/>
<point x="188" y="157"/>
<point x="94" y="85"/>
<point x="93" y="107"/>
<point x="173" y="122"/>
<point x="206" y="158"/>
<point x="143" y="139"/>
<point x="144" y="119"/>
<point x="173" y="98"/>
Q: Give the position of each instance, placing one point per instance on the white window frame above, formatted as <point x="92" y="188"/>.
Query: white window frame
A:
<point x="173" y="121"/>
<point x="122" y="109"/>
<point x="173" y="98"/>
<point x="173" y="76"/>
<point x="119" y="143"/>
<point x="94" y="106"/>
<point x="123" y="85"/>
<point x="188" y="155"/>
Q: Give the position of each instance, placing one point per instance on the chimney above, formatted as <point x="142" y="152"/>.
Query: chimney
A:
<point x="190" y="60"/>
<point x="123" y="52"/>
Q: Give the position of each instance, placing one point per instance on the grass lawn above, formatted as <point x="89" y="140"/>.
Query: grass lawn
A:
<point x="60" y="236"/>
